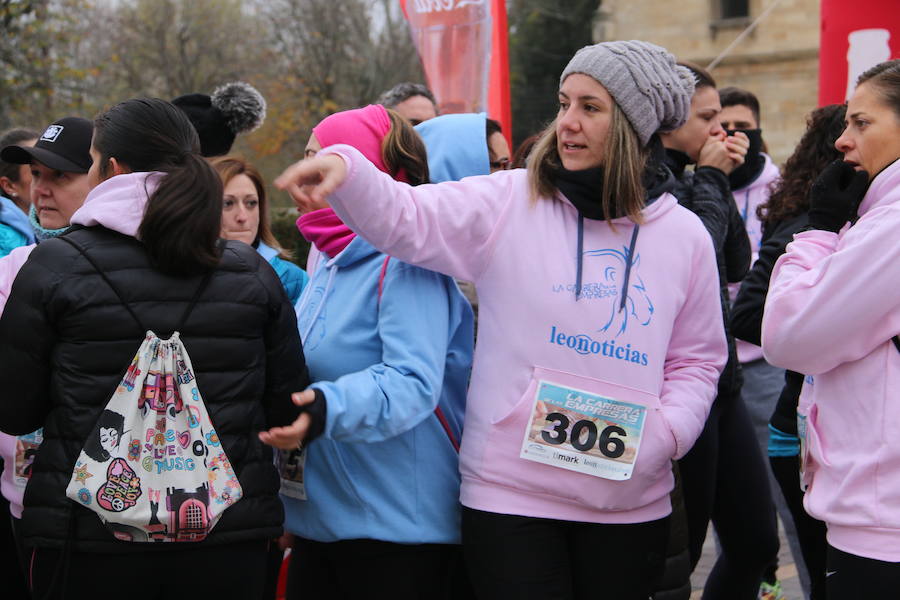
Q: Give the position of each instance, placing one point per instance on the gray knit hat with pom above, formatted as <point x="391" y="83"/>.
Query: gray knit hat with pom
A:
<point x="643" y="79"/>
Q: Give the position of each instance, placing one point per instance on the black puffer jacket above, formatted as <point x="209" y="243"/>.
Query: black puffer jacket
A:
<point x="707" y="194"/>
<point x="66" y="339"/>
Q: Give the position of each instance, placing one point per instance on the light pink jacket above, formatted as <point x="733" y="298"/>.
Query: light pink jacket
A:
<point x="9" y="268"/>
<point x="832" y="308"/>
<point x="522" y="258"/>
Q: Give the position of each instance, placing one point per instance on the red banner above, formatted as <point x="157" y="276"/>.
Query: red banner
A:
<point x="855" y="36"/>
<point x="464" y="49"/>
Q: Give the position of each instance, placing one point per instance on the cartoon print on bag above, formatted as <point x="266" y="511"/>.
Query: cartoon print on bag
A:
<point x="84" y="496"/>
<point x="638" y="305"/>
<point x="130" y="375"/>
<point x="81" y="473"/>
<point x="183" y="374"/>
<point x="161" y="394"/>
<point x="106" y="436"/>
<point x="26" y="451"/>
<point x="212" y="438"/>
<point x="134" y="450"/>
<point x="155" y="528"/>
<point x="231" y="493"/>
<point x="188" y="513"/>
<point x="122" y="488"/>
<point x="193" y="411"/>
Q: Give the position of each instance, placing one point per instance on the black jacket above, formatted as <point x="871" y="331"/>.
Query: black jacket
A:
<point x="747" y="312"/>
<point x="66" y="339"/>
<point x="707" y="194"/>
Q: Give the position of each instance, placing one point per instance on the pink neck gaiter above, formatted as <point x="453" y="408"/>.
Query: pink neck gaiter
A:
<point x="364" y="129"/>
<point x="325" y="230"/>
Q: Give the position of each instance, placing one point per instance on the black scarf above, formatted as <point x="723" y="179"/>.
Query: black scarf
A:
<point x="754" y="162"/>
<point x="584" y="188"/>
<point x="677" y="161"/>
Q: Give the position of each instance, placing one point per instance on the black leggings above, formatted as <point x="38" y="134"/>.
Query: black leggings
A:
<point x="529" y="558"/>
<point x="351" y="569"/>
<point x="810" y="531"/>
<point x="850" y="577"/>
<point x="724" y="478"/>
<point x="185" y="571"/>
<point x="12" y="569"/>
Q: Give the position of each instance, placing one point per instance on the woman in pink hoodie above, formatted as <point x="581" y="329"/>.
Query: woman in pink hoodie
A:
<point x="833" y="313"/>
<point x="600" y="339"/>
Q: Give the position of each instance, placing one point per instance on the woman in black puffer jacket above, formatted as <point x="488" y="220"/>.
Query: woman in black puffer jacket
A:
<point x="149" y="234"/>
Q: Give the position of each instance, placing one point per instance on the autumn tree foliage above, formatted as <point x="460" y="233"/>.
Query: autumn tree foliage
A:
<point x="309" y="58"/>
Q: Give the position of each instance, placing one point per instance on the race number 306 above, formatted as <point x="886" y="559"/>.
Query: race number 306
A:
<point x="585" y="435"/>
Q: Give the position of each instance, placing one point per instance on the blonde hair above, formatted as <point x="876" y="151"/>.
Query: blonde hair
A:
<point x="623" y="164"/>
<point x="229" y="167"/>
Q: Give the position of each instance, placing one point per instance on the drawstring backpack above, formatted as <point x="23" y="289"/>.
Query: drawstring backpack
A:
<point x="153" y="467"/>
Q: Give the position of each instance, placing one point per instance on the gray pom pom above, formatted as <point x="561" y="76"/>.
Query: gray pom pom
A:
<point x="243" y="106"/>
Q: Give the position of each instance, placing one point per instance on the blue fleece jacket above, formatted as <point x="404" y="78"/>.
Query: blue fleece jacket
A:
<point x="457" y="146"/>
<point x="15" y="230"/>
<point x="292" y="277"/>
<point x="384" y="468"/>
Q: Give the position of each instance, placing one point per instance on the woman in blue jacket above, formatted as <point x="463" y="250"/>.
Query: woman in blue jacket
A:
<point x="374" y="501"/>
<point x="245" y="218"/>
<point x="15" y="197"/>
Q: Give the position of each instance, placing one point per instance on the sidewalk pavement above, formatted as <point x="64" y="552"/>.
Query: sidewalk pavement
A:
<point x="787" y="570"/>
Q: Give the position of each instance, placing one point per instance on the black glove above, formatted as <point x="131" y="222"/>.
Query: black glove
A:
<point x="835" y="196"/>
<point x="317" y="411"/>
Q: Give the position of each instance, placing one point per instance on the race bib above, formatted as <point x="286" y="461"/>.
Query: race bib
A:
<point x="583" y="431"/>
<point x="802" y="430"/>
<point x="26" y="449"/>
<point x="292" y="466"/>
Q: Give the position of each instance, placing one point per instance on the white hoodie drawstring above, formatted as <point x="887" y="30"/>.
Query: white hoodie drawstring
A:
<point x="305" y="298"/>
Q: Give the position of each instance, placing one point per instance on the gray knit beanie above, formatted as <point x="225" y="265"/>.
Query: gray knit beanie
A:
<point x="643" y="79"/>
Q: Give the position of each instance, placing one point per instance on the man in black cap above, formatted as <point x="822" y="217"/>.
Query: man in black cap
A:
<point x="59" y="161"/>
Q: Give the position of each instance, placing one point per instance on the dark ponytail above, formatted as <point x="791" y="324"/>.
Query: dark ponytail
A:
<point x="183" y="216"/>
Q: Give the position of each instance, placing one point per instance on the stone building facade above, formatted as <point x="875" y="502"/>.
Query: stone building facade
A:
<point x="778" y="61"/>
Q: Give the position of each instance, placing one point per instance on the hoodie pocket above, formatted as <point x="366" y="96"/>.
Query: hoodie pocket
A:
<point x="641" y="470"/>
<point x="811" y="451"/>
<point x="333" y="473"/>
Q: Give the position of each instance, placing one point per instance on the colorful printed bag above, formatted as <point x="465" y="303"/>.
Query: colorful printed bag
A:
<point x="153" y="468"/>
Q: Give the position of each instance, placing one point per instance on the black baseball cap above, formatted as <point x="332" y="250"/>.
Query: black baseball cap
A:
<point x="65" y="146"/>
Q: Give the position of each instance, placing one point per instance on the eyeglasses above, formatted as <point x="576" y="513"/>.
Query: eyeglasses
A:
<point x="500" y="165"/>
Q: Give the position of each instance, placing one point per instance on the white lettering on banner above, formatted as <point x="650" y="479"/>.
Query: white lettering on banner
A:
<point x="427" y="6"/>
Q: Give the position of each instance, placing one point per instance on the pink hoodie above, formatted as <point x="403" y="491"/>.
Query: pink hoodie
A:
<point x="831" y="311"/>
<point x="668" y="344"/>
<point x="122" y="212"/>
<point x="11" y="486"/>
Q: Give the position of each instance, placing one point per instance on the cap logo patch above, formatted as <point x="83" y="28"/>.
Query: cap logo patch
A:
<point x="52" y="133"/>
